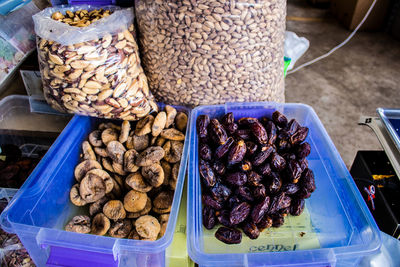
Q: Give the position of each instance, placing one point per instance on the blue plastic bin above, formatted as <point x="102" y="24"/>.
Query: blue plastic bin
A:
<point x="41" y="208"/>
<point x="336" y="228"/>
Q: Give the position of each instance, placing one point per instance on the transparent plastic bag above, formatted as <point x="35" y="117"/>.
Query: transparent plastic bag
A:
<point x="93" y="70"/>
<point x="213" y="51"/>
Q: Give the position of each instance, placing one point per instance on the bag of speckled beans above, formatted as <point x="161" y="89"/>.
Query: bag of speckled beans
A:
<point x="213" y="51"/>
<point x="89" y="62"/>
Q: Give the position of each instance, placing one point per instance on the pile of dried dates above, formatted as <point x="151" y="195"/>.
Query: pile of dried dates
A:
<point x="253" y="173"/>
<point x="128" y="176"/>
<point x="14" y="168"/>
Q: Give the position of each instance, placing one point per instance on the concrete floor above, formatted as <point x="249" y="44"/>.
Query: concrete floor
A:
<point x="354" y="81"/>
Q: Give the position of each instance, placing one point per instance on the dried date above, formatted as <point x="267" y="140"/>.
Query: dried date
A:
<point x="303" y="150"/>
<point x="222" y="150"/>
<point x="272" y="132"/>
<point x="205" y="151"/>
<point x="219" y="167"/>
<point x="220" y="192"/>
<point x="293" y="126"/>
<point x="308" y="181"/>
<point x="244" y="134"/>
<point x="259" y="132"/>
<point x="209" y="220"/>
<point x="299" y="136"/>
<point x="266" y="222"/>
<point x="251" y="148"/>
<point x="236" y="153"/>
<point x="277" y="220"/>
<point x="259" y="210"/>
<point x="265" y="169"/>
<point x="245" y="194"/>
<point x="297" y="206"/>
<point x="251" y="230"/>
<point x="277" y="162"/>
<point x="217" y="132"/>
<point x="262" y="156"/>
<point x="294" y="171"/>
<point x="211" y="202"/>
<point x="207" y="173"/>
<point x="239" y="213"/>
<point x="202" y="126"/>
<point x="237" y="178"/>
<point x="290" y="189"/>
<point x="223" y="217"/>
<point x="279" y="119"/>
<point x="228" y="236"/>
<point x="276" y="183"/>
<point x="260" y="191"/>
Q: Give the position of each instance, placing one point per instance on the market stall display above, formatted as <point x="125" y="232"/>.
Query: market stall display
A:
<point x="335" y="227"/>
<point x="210" y="52"/>
<point x="90" y="64"/>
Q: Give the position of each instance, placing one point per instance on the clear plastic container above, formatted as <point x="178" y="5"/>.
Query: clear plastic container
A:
<point x="32" y="133"/>
<point x="41" y="208"/>
<point x="336" y="228"/>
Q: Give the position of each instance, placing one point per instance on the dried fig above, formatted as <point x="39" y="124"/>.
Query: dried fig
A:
<point x="104" y="176"/>
<point x="82" y="168"/>
<point x="136" y="181"/>
<point x="173" y="134"/>
<point x="164" y="218"/>
<point x="109" y="135"/>
<point x="117" y="189"/>
<point x="163" y="202"/>
<point x="153" y="174"/>
<point x="97" y="207"/>
<point x="116" y="151"/>
<point x="75" y="196"/>
<point x="118" y="168"/>
<point x="167" y="171"/>
<point x="100" y="224"/>
<point x="144" y="125"/>
<point x="79" y="224"/>
<point x="163" y="228"/>
<point x="129" y="160"/>
<point x="101" y="151"/>
<point x="174" y="175"/>
<point x="92" y="188"/>
<point x="135" y="201"/>
<point x="145" y="211"/>
<point x="173" y="151"/>
<point x="134" y="235"/>
<point x="139" y="143"/>
<point x="171" y="114"/>
<point x="120" y="229"/>
<point x="107" y="164"/>
<point x="181" y="120"/>
<point x="125" y="128"/>
<point x="95" y="138"/>
<point x="159" y="123"/>
<point x="147" y="227"/>
<point x="160" y="141"/>
<point x="150" y="156"/>
<point x="114" y="210"/>
<point x="88" y="153"/>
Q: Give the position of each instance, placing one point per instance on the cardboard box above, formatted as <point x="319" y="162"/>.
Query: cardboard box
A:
<point x="351" y="12"/>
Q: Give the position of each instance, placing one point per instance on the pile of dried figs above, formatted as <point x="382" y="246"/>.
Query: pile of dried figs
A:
<point x="253" y="173"/>
<point x="128" y="175"/>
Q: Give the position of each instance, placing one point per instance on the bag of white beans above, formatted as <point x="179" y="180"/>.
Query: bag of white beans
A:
<point x="213" y="51"/>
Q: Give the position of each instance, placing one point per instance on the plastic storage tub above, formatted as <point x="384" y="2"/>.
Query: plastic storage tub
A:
<point x="41" y="208"/>
<point x="335" y="229"/>
<point x="33" y="133"/>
